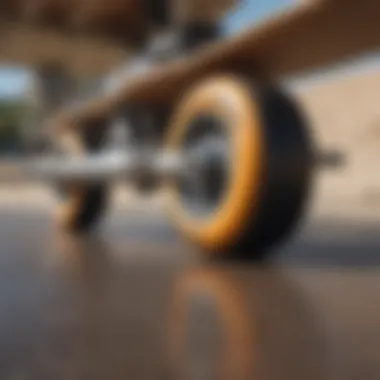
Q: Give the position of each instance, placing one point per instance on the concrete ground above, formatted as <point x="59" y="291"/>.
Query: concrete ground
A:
<point x="136" y="302"/>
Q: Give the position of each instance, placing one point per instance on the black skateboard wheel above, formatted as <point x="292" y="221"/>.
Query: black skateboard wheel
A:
<point x="81" y="206"/>
<point x="250" y="165"/>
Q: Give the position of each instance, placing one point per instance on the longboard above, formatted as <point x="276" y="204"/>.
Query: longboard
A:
<point x="310" y="35"/>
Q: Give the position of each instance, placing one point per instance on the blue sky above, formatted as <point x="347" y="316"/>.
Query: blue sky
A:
<point x="253" y="10"/>
<point x="14" y="81"/>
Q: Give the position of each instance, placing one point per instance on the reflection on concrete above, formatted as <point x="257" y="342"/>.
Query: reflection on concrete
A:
<point x="84" y="258"/>
<point x="81" y="308"/>
<point x="209" y="322"/>
<point x="243" y="323"/>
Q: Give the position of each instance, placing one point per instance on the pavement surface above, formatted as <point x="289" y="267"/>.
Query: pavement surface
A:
<point x="136" y="302"/>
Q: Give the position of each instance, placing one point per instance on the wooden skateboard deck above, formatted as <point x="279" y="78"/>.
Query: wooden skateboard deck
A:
<point x="310" y="35"/>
